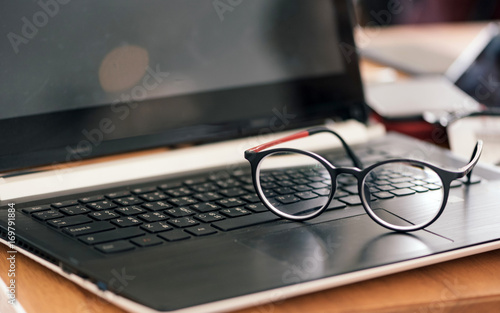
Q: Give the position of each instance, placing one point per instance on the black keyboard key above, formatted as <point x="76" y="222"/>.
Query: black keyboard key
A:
<point x="403" y="185"/>
<point x="419" y="189"/>
<point x="183" y="222"/>
<point x="207" y="197"/>
<point x="284" y="190"/>
<point x="153" y="196"/>
<point x="403" y="179"/>
<point x="420" y="183"/>
<point x="351" y="200"/>
<point x="209" y="217"/>
<point x="386" y="187"/>
<point x="323" y="191"/>
<point x="256" y="207"/>
<point x="251" y="188"/>
<point x="206" y="187"/>
<point x="142" y="190"/>
<point x="88" y="228"/>
<point x="179" y="192"/>
<point x="383" y="195"/>
<point x="270" y="194"/>
<point x="69" y="221"/>
<point x="219" y="176"/>
<point x="147" y="241"/>
<point x="245" y="221"/>
<point x="75" y="210"/>
<point x="170" y="185"/>
<point x="118" y="194"/>
<point x="232" y="192"/>
<point x="316" y="178"/>
<point x="182" y="201"/>
<point x="201" y="230"/>
<point x="101" y="205"/>
<point x="228" y="183"/>
<point x="381" y="182"/>
<point x="402" y="192"/>
<point x="352" y="189"/>
<point x="130" y="210"/>
<point x="340" y="193"/>
<point x="128" y="201"/>
<point x="111" y="235"/>
<point x="318" y="185"/>
<point x="432" y="186"/>
<point x="231" y="202"/>
<point x="246" y="179"/>
<point x="252" y="198"/>
<point x="104" y="215"/>
<point x="63" y="204"/>
<point x="157" y="206"/>
<point x="285" y="183"/>
<point x="47" y="215"/>
<point x="157" y="227"/>
<point x="267" y="185"/>
<point x="302" y="188"/>
<point x="195" y="181"/>
<point x="335" y="204"/>
<point x="39" y="208"/>
<point x="179" y="212"/>
<point x="205" y="207"/>
<point x="115" y="247"/>
<point x="153" y="217"/>
<point x="126" y="221"/>
<point x="306" y="195"/>
<point x="175" y="235"/>
<point x="91" y="199"/>
<point x="287" y="199"/>
<point x="234" y="212"/>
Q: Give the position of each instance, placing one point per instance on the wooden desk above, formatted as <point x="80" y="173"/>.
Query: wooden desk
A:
<point x="467" y="284"/>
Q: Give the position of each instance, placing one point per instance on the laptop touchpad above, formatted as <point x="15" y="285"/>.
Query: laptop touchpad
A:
<point x="313" y="250"/>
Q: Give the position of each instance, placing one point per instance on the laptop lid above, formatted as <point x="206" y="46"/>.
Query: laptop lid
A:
<point x="84" y="79"/>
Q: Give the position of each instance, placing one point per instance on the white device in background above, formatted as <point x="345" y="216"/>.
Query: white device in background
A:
<point x="440" y="97"/>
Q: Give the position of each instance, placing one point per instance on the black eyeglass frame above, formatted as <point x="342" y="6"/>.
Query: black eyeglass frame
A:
<point x="256" y="155"/>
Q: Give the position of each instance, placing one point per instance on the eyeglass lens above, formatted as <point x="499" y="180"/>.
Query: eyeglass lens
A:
<point x="387" y="185"/>
<point x="294" y="184"/>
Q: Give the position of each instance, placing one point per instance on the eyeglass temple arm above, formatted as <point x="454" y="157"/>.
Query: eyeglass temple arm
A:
<point x="467" y="170"/>
<point x="306" y="133"/>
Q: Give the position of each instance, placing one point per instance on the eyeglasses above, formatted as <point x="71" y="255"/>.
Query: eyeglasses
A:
<point x="300" y="185"/>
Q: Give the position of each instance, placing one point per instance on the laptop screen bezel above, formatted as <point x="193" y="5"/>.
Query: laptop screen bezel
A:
<point x="54" y="138"/>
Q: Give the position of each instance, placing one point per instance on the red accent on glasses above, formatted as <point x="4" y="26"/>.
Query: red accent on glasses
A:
<point x="298" y="135"/>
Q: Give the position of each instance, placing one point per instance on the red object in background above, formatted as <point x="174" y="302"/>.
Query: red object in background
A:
<point x="419" y="129"/>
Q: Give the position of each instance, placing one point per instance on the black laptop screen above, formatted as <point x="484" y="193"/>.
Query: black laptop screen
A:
<point x="87" y="78"/>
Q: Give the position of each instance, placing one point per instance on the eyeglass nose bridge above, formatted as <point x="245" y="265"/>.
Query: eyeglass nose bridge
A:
<point x="353" y="171"/>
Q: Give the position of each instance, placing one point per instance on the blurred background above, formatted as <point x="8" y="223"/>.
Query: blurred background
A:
<point x="429" y="11"/>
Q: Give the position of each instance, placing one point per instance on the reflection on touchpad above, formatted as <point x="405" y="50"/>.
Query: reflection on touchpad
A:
<point x="340" y="246"/>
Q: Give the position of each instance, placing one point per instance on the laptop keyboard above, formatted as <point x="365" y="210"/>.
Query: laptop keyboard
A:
<point x="139" y="217"/>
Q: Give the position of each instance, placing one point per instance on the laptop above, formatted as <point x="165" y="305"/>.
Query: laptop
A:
<point x="468" y="85"/>
<point x="91" y="80"/>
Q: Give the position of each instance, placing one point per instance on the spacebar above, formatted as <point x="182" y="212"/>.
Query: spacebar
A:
<point x="245" y="221"/>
